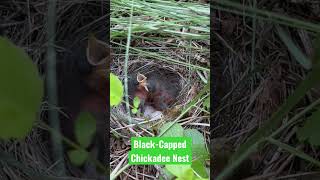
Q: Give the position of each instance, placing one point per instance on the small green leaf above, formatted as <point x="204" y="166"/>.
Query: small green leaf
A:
<point x="175" y="130"/>
<point x="134" y="110"/>
<point x="180" y="171"/>
<point x="310" y="130"/>
<point x="78" y="157"/>
<point x="21" y="91"/>
<point x="85" y="128"/>
<point x="136" y="102"/>
<point x="116" y="90"/>
<point x="199" y="150"/>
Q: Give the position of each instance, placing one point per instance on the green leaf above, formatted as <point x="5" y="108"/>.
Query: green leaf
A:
<point x="78" y="157"/>
<point x="174" y="130"/>
<point x="199" y="150"/>
<point x="21" y="91"/>
<point x="116" y="90"/>
<point x="310" y="130"/>
<point x="85" y="128"/>
<point x="136" y="102"/>
<point x="199" y="167"/>
<point x="181" y="171"/>
<point x="134" y="110"/>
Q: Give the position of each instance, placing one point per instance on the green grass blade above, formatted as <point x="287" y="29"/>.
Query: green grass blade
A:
<point x="126" y="62"/>
<point x="294" y="151"/>
<point x="294" y="50"/>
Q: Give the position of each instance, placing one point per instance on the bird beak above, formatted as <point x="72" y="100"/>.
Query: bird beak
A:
<point x="142" y="79"/>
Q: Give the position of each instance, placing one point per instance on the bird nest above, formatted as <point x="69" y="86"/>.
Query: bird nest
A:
<point x="124" y="126"/>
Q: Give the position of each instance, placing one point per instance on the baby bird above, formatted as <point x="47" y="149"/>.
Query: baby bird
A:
<point x="158" y="88"/>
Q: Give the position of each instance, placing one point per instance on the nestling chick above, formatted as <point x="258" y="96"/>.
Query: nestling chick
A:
<point x="158" y="88"/>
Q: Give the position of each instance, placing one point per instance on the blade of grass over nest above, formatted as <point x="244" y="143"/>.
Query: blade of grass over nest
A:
<point x="160" y="40"/>
<point x="165" y="59"/>
<point x="202" y="77"/>
<point x="294" y="151"/>
<point x="126" y="63"/>
<point x="242" y="10"/>
<point x="164" y="28"/>
<point x="171" y="45"/>
<point x="265" y="131"/>
<point x="294" y="50"/>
